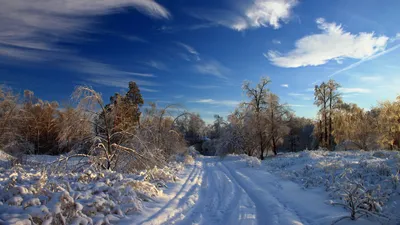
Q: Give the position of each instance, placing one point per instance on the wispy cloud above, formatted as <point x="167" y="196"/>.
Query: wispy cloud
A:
<point x="134" y="38"/>
<point x="285" y="85"/>
<point x="277" y="42"/>
<point x="249" y="14"/>
<point x="35" y="27"/>
<point x="190" y="50"/>
<point x="332" y="44"/>
<point x="96" y="68"/>
<point x="121" y="82"/>
<point x="107" y="75"/>
<point x="301" y="96"/>
<point x="203" y="86"/>
<point x="156" y="64"/>
<point x="212" y="67"/>
<point x="365" y="60"/>
<point x="217" y="102"/>
<point x="370" y="78"/>
<point x="354" y="90"/>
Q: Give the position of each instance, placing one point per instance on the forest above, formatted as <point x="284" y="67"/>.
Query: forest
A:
<point x="261" y="126"/>
<point x="93" y="161"/>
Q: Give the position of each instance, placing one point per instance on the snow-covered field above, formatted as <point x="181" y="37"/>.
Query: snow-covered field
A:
<point x="295" y="188"/>
<point x="44" y="191"/>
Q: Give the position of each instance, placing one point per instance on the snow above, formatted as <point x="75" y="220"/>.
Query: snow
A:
<point x="35" y="193"/>
<point x="289" y="189"/>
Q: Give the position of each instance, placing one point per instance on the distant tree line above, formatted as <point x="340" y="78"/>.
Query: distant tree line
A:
<point x="121" y="134"/>
<point x="264" y="125"/>
<point x="123" y="128"/>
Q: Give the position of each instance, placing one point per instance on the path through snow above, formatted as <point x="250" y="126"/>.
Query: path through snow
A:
<point x="215" y="191"/>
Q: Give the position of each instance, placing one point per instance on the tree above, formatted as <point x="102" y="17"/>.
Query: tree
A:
<point x="327" y="98"/>
<point x="334" y="101"/>
<point x="75" y="129"/>
<point x="109" y="134"/>
<point x="300" y="136"/>
<point x="278" y="116"/>
<point x="389" y="123"/>
<point x="8" y="114"/>
<point x="216" y="128"/>
<point x="321" y="96"/>
<point x="38" y="124"/>
<point x="356" y="126"/>
<point x="258" y="96"/>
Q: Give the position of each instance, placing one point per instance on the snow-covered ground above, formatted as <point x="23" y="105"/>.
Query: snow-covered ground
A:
<point x="290" y="189"/>
<point x="232" y="191"/>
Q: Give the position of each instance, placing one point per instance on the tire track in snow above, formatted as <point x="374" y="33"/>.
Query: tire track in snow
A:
<point x="221" y="199"/>
<point x="269" y="209"/>
<point x="175" y="206"/>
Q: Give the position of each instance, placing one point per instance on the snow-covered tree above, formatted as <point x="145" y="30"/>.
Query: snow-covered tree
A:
<point x="257" y="104"/>
<point x="389" y="123"/>
<point x="356" y="126"/>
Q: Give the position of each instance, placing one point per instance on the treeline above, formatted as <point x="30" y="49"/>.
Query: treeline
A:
<point x="264" y="125"/>
<point x="121" y="134"/>
<point x="125" y="130"/>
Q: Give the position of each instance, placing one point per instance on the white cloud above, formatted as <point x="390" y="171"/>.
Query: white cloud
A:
<point x="217" y="102"/>
<point x="354" y="90"/>
<point x="95" y="68"/>
<point x="190" y="50"/>
<point x="121" y="82"/>
<point x="134" y="38"/>
<point x="371" y="78"/>
<point x="212" y="67"/>
<point x="310" y="89"/>
<point x="156" y="64"/>
<point x="332" y="44"/>
<point x="351" y="66"/>
<point x="203" y="86"/>
<point x="285" y="85"/>
<point x="302" y="96"/>
<point x="250" y="14"/>
<point x="35" y="27"/>
<point x="269" y="12"/>
<point x="277" y="42"/>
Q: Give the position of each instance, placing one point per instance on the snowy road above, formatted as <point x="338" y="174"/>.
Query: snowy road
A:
<point x="226" y="191"/>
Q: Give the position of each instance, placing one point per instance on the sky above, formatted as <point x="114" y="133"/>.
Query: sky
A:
<point x="197" y="53"/>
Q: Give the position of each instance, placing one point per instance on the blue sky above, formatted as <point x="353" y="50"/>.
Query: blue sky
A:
<point x="198" y="53"/>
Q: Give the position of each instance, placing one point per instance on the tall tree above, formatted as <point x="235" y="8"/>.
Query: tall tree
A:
<point x="8" y="114"/>
<point x="258" y="96"/>
<point x="278" y="116"/>
<point x="321" y="96"/>
<point x="334" y="102"/>
<point x="389" y="123"/>
<point x="353" y="125"/>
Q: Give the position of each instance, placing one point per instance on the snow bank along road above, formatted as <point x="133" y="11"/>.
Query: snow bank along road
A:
<point x="215" y="191"/>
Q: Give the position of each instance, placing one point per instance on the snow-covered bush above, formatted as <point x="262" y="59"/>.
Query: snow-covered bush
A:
<point x="36" y="195"/>
<point x="377" y="172"/>
<point x="251" y="161"/>
<point x="359" y="200"/>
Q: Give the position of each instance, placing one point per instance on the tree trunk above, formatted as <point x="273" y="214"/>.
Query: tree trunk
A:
<point x="325" y="126"/>
<point x="274" y="146"/>
<point x="261" y="146"/>
<point x="330" y="123"/>
<point x="321" y="138"/>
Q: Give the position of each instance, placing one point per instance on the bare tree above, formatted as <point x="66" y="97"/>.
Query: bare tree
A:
<point x="278" y="116"/>
<point x="257" y="103"/>
<point x="8" y="113"/>
<point x="321" y="96"/>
